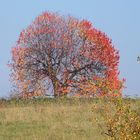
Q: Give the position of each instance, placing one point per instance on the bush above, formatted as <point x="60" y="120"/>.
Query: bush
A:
<point x="119" y="119"/>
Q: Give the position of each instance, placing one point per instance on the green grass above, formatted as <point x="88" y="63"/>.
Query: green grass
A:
<point x="49" y="119"/>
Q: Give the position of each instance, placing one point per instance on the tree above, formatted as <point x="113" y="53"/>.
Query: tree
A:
<point x="61" y="55"/>
<point x="138" y="59"/>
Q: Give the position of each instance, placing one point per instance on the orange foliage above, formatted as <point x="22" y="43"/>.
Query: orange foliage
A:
<point x="66" y="55"/>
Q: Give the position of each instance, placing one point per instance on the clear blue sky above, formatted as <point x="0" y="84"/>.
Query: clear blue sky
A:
<point x="119" y="19"/>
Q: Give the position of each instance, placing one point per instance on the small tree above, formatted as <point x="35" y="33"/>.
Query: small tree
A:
<point x="59" y="55"/>
<point x="119" y="118"/>
<point x="138" y="59"/>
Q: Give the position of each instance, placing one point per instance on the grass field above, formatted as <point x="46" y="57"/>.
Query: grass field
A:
<point x="49" y="119"/>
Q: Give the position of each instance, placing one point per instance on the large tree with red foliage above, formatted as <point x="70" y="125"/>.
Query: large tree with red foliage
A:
<point x="63" y="55"/>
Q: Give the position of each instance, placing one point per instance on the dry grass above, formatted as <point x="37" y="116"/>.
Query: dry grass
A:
<point x="50" y="119"/>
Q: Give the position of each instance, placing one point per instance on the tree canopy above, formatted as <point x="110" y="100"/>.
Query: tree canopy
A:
<point x="62" y="55"/>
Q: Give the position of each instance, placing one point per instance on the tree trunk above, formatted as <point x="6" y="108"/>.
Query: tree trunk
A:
<point x="55" y="87"/>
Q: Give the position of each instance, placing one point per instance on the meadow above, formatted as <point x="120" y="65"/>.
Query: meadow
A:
<point x="51" y="119"/>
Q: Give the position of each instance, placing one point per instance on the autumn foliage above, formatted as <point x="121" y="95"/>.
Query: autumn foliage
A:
<point x="119" y="118"/>
<point x="63" y="55"/>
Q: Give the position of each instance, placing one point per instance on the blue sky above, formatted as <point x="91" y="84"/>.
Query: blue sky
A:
<point x="120" y="20"/>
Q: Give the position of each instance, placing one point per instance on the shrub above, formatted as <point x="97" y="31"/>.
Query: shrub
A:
<point x="119" y="119"/>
